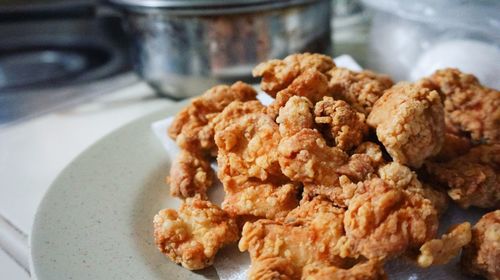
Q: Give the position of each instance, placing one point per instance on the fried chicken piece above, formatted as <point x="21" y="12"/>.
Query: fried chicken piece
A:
<point x="190" y="174"/>
<point x="295" y="116"/>
<point x="368" y="270"/>
<point x="193" y="235"/>
<point x="250" y="171"/>
<point x="311" y="84"/>
<point x="234" y="111"/>
<point x="402" y="177"/>
<point x="441" y="251"/>
<point x="280" y="250"/>
<point x="409" y="121"/>
<point x="360" y="166"/>
<point x="345" y="126"/>
<point x="278" y="74"/>
<point x="339" y="195"/>
<point x="263" y="200"/>
<point x="453" y="146"/>
<point x="482" y="256"/>
<point x="469" y="107"/>
<point x="385" y="221"/>
<point x="248" y="147"/>
<point x="360" y="89"/>
<point x="305" y="157"/>
<point x="373" y="151"/>
<point x="472" y="179"/>
<point x="190" y="127"/>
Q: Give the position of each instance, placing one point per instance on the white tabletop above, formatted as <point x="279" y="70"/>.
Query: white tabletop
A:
<point x="34" y="152"/>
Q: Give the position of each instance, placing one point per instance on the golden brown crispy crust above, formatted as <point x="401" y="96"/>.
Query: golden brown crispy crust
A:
<point x="482" y="256"/>
<point x="278" y="74"/>
<point x="472" y="179"/>
<point x="263" y="200"/>
<point x="310" y="234"/>
<point x="441" y="251"/>
<point x="409" y="121"/>
<point x="190" y="174"/>
<point x="305" y="157"/>
<point x="373" y="151"/>
<point x="360" y="89"/>
<point x="192" y="236"/>
<point x="402" y="177"/>
<point x="367" y="270"/>
<point x="249" y="169"/>
<point x="190" y="127"/>
<point x="311" y="84"/>
<point x="385" y="221"/>
<point x="339" y="195"/>
<point x="469" y="107"/>
<point x="248" y="147"/>
<point x="234" y="111"/>
<point x="295" y="116"/>
<point x="346" y="127"/>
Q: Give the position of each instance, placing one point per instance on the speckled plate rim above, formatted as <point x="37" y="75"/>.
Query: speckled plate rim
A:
<point x="95" y="220"/>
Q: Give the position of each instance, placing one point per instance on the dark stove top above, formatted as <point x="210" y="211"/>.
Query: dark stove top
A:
<point x="50" y="63"/>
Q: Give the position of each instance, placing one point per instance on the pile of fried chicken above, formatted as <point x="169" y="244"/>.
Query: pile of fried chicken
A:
<point x="342" y="172"/>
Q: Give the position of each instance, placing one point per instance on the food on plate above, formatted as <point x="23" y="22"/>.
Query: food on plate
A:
<point x="295" y="115"/>
<point x="234" y="111"/>
<point x="193" y="235"/>
<point x="482" y="256"/>
<point x="344" y="126"/>
<point x="409" y="121"/>
<point x="360" y="89"/>
<point x="366" y="270"/>
<point x="305" y="157"/>
<point x="311" y="84"/>
<point x="341" y="173"/>
<point x="472" y="179"/>
<point x="384" y="221"/>
<point x="402" y="177"/>
<point x="190" y="175"/>
<point x="190" y="127"/>
<point x="261" y="200"/>
<point x="471" y="108"/>
<point x="311" y="234"/>
<point x="279" y="74"/>
<point x="441" y="251"/>
<point x="248" y="148"/>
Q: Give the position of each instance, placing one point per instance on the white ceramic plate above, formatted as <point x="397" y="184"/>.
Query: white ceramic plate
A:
<point x="95" y="222"/>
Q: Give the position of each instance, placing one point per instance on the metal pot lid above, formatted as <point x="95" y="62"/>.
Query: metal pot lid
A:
<point x="198" y="5"/>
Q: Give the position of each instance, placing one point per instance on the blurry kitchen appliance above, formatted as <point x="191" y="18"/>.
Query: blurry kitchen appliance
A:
<point x="55" y="53"/>
<point x="410" y="39"/>
<point x="182" y="47"/>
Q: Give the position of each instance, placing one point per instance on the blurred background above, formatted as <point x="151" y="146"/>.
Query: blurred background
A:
<point x="55" y="54"/>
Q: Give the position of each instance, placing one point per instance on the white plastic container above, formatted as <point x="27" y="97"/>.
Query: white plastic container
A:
<point x="410" y="39"/>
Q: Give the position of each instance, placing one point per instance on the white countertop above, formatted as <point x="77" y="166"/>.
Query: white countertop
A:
<point x="34" y="152"/>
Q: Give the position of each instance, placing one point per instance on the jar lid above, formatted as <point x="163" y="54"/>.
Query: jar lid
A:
<point x="207" y="6"/>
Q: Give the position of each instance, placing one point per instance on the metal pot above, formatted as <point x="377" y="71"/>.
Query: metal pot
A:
<point x="183" y="47"/>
